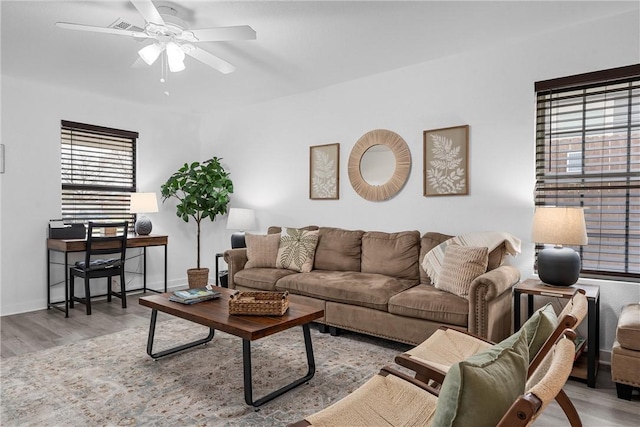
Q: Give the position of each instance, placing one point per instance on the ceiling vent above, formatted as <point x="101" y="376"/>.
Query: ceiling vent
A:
<point x="120" y="24"/>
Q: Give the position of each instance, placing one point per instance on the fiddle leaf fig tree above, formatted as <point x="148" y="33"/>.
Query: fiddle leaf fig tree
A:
<point x="202" y="190"/>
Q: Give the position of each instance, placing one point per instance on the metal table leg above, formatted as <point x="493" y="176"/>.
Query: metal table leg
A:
<point x="152" y="328"/>
<point x="248" y="385"/>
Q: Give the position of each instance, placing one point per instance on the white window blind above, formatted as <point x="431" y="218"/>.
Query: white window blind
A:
<point x="98" y="172"/>
<point x="588" y="155"/>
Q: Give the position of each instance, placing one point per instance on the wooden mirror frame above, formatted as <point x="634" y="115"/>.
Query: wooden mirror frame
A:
<point x="400" y="150"/>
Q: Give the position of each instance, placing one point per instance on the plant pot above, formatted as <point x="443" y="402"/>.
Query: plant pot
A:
<point x="198" y="277"/>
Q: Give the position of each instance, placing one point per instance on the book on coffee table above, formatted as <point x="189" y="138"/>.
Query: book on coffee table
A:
<point x="192" y="296"/>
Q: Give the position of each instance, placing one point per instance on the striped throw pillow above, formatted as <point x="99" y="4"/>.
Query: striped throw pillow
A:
<point x="460" y="267"/>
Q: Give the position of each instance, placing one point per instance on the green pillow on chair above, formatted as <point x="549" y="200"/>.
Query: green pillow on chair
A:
<point x="539" y="327"/>
<point x="479" y="391"/>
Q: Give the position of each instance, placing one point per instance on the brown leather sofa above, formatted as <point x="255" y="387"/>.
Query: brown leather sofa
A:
<point x="373" y="283"/>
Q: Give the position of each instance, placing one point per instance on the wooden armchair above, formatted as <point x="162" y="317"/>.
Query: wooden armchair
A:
<point x="432" y="359"/>
<point x="393" y="398"/>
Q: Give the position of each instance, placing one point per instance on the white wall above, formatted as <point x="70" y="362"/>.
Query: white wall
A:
<point x="31" y="114"/>
<point x="267" y="145"/>
<point x="266" y="149"/>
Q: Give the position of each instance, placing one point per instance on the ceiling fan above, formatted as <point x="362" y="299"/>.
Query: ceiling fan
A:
<point x="170" y="34"/>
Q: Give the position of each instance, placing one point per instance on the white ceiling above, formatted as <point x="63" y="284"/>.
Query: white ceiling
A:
<point x="300" y="46"/>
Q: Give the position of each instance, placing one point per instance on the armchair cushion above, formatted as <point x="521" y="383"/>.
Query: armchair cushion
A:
<point x="262" y="251"/>
<point x="539" y="327"/>
<point x="479" y="390"/>
<point x="460" y="267"/>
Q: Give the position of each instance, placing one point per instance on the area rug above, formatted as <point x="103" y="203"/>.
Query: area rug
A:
<point x="111" y="381"/>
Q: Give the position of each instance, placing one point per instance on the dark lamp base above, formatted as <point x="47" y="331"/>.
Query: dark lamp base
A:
<point x="237" y="240"/>
<point x="558" y="266"/>
<point x="143" y="226"/>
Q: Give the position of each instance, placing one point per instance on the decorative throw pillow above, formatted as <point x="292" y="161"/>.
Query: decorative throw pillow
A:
<point x="539" y="327"/>
<point x="297" y="249"/>
<point x="479" y="391"/>
<point x="461" y="265"/>
<point x="262" y="250"/>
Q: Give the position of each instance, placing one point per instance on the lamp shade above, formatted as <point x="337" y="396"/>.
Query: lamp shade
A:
<point x="559" y="226"/>
<point x="240" y="219"/>
<point x="143" y="203"/>
<point x="150" y="53"/>
<point x="175" y="57"/>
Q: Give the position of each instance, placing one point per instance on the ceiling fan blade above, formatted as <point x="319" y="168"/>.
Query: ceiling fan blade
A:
<point x="213" y="61"/>
<point x="240" y="32"/>
<point x="148" y="11"/>
<point x="139" y="63"/>
<point x="90" y="28"/>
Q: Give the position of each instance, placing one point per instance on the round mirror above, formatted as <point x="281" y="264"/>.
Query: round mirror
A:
<point x="377" y="165"/>
<point x="385" y="174"/>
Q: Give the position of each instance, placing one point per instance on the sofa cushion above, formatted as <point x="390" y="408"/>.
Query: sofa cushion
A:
<point x="479" y="390"/>
<point x="363" y="289"/>
<point x="297" y="249"/>
<point x="427" y="302"/>
<point x="263" y="279"/>
<point x="275" y="229"/>
<point x="262" y="250"/>
<point x="460" y="266"/>
<point x="391" y="254"/>
<point x="430" y="240"/>
<point x="338" y="249"/>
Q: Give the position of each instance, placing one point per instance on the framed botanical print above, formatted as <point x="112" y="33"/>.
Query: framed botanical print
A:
<point x="446" y="161"/>
<point x="324" y="172"/>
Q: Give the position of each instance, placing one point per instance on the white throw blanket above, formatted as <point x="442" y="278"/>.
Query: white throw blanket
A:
<point x="432" y="262"/>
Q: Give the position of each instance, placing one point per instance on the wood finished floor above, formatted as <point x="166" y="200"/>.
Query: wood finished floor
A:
<point x="29" y="332"/>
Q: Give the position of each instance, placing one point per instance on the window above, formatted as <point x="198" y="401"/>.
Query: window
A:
<point x="98" y="173"/>
<point x="588" y="155"/>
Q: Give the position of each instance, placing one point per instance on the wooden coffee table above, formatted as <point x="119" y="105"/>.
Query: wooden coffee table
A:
<point x="215" y="315"/>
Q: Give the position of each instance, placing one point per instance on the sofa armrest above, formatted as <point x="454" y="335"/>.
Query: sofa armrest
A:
<point x="490" y="301"/>
<point x="493" y="283"/>
<point x="236" y="260"/>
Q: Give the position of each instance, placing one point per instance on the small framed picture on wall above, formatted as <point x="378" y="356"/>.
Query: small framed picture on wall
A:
<point x="446" y="161"/>
<point x="324" y="172"/>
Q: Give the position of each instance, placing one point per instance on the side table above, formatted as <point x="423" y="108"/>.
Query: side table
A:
<point x="584" y="369"/>
<point x="220" y="275"/>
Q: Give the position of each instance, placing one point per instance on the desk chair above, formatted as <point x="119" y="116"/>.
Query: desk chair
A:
<point x="101" y="244"/>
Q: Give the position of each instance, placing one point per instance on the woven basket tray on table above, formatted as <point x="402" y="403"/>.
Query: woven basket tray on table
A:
<point x="259" y="303"/>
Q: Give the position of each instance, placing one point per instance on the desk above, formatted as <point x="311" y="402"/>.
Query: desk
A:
<point x="80" y="245"/>
<point x="532" y="287"/>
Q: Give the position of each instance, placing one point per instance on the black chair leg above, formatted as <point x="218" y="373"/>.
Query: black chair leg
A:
<point x="72" y="293"/>
<point x="123" y="292"/>
<point x="109" y="289"/>
<point x="87" y="296"/>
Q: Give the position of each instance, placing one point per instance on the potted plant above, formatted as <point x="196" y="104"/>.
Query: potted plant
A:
<point x="202" y="190"/>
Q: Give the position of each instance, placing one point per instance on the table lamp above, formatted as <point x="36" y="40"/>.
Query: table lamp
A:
<point x="242" y="220"/>
<point x="559" y="266"/>
<point x="143" y="203"/>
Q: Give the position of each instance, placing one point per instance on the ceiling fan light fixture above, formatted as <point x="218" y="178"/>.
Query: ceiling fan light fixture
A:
<point x="175" y="57"/>
<point x="150" y="53"/>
